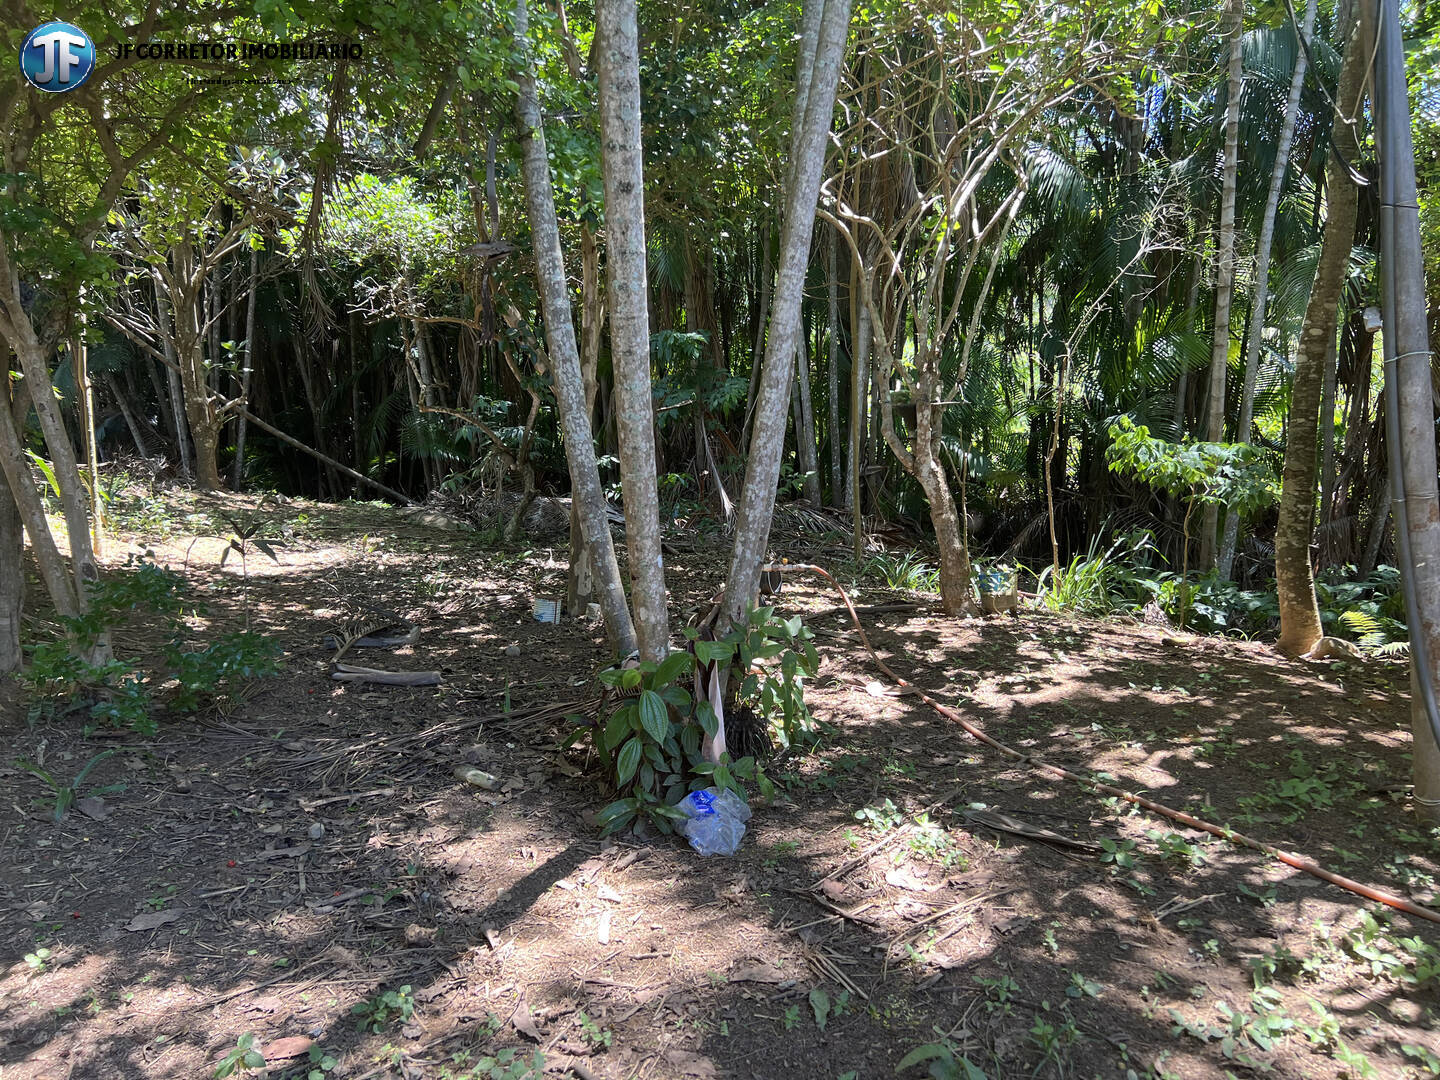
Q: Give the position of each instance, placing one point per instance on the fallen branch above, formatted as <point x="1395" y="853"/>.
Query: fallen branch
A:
<point x="354" y="673"/>
<point x="290" y="440"/>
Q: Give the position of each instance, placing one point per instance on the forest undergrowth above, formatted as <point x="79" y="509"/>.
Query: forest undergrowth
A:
<point x="277" y="873"/>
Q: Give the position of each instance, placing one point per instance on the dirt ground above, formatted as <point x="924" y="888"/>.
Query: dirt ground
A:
<point x="307" y="850"/>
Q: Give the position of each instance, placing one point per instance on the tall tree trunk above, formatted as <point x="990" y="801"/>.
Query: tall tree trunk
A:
<point x="580" y="586"/>
<point x="816" y="79"/>
<point x="176" y="394"/>
<point x="618" y="49"/>
<point x="1411" y="389"/>
<point x="190" y="355"/>
<point x="1225" y="268"/>
<point x="859" y="419"/>
<point x="1295" y="583"/>
<point x="85" y="411"/>
<point x="247" y="361"/>
<point x="575" y="404"/>
<point x="12" y="576"/>
<point x="67" y="591"/>
<point x="832" y="373"/>
<point x="805" y="434"/>
<point x="1262" y="271"/>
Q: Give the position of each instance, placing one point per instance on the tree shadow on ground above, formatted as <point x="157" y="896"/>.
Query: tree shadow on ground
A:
<point x="508" y="918"/>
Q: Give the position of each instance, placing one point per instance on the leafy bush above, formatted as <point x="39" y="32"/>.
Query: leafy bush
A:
<point x="1370" y="610"/>
<point x="650" y="744"/>
<point x="122" y="693"/>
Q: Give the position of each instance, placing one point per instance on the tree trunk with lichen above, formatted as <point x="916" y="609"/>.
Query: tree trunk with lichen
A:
<point x="622" y="163"/>
<point x="824" y="33"/>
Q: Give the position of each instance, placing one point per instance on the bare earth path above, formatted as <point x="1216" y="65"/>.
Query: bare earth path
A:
<point x="309" y="849"/>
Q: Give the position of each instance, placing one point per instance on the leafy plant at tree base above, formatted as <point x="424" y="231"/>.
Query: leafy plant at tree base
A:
<point x="1231" y="475"/>
<point x="650" y="744"/>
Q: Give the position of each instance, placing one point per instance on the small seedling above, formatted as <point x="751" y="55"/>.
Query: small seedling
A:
<point x="598" y="1037"/>
<point x="320" y="1062"/>
<point x="35" y="961"/>
<point x="378" y="1012"/>
<point x="1119" y="853"/>
<point x="945" y="1064"/>
<point x="244" y="535"/>
<point x="881" y="818"/>
<point x="242" y="1058"/>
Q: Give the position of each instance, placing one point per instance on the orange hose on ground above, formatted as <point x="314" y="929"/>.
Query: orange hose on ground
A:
<point x="1299" y="862"/>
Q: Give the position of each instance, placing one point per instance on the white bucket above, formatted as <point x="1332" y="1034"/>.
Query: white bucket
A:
<point x="547" y="611"/>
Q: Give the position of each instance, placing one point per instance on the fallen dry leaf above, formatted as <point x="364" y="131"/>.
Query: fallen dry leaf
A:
<point x="292" y="1046"/>
<point x="94" y="808"/>
<point x="150" y="920"/>
<point x="761" y="973"/>
<point x="902" y="878"/>
<point x="523" y="1022"/>
<point x="690" y="1064"/>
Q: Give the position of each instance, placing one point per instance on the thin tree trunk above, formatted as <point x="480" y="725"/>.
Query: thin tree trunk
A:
<point x="580" y="589"/>
<point x="837" y="483"/>
<point x="574" y="395"/>
<point x="618" y="49"/>
<point x="1295" y="583"/>
<point x="767" y="279"/>
<point x="178" y="415"/>
<point x="1225" y="269"/>
<point x="85" y="402"/>
<point x="190" y="355"/>
<point x="1327" y="426"/>
<point x="805" y="434"/>
<point x="67" y="591"/>
<point x="1262" y="273"/>
<point x="237" y="473"/>
<point x="127" y="410"/>
<point x="815" y="95"/>
<point x="12" y="576"/>
<point x="83" y="568"/>
<point x="859" y="420"/>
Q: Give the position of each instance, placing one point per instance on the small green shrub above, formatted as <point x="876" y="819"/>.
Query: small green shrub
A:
<point x="242" y="1058"/>
<point x="376" y="1013"/>
<point x="123" y="693"/>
